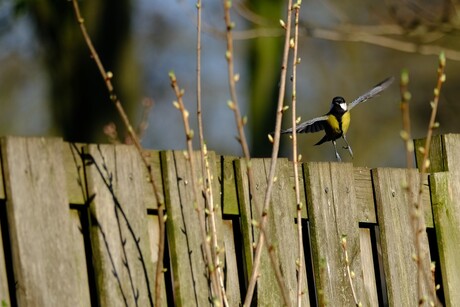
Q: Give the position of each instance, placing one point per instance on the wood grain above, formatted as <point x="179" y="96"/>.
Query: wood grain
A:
<point x="40" y="224"/>
<point x="119" y="230"/>
<point x="394" y="212"/>
<point x="333" y="215"/>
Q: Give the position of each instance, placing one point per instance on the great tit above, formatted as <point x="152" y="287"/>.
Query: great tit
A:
<point x="336" y="122"/>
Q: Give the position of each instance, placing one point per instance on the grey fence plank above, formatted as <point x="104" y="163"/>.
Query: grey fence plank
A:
<point x="333" y="214"/>
<point x="280" y="230"/>
<point x="119" y="236"/>
<point x="184" y="234"/>
<point x="39" y="223"/>
<point x="187" y="264"/>
<point x="75" y="177"/>
<point x="364" y="195"/>
<point x="367" y="261"/>
<point x="394" y="211"/>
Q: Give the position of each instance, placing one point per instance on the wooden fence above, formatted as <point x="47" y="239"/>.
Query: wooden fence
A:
<point x="79" y="228"/>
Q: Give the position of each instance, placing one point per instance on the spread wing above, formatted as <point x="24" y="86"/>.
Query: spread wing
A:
<point x="371" y="93"/>
<point x="310" y="126"/>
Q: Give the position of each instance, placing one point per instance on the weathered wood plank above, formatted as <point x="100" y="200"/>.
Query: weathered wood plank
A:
<point x="246" y="216"/>
<point x="394" y="212"/>
<point x="184" y="234"/>
<point x="75" y="177"/>
<point x="364" y="195"/>
<point x="333" y="214"/>
<point x="446" y="213"/>
<point x="79" y="259"/>
<point x="154" y="235"/>
<point x="119" y="236"/>
<point x="188" y="267"/>
<point x="232" y="283"/>
<point x="230" y="196"/>
<point x="230" y="189"/>
<point x="153" y="157"/>
<point x="367" y="261"/>
<point x="437" y="156"/>
<point x="39" y="223"/>
<point x="280" y="230"/>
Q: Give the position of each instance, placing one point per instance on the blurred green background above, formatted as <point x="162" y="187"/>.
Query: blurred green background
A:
<point x="49" y="86"/>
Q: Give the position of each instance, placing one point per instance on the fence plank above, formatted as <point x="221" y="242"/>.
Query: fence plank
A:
<point x="333" y="214"/>
<point x="39" y="223"/>
<point x="79" y="258"/>
<point x="153" y="157"/>
<point x="280" y="230"/>
<point x="119" y="235"/>
<point x="393" y="212"/>
<point x="154" y="235"/>
<point x="230" y="197"/>
<point x="367" y="260"/>
<point x="446" y="213"/>
<point x="364" y="195"/>
<point x="188" y="267"/>
<point x="184" y="235"/>
<point x="74" y="169"/>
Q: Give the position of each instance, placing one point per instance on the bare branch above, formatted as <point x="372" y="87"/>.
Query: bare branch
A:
<point x="107" y="77"/>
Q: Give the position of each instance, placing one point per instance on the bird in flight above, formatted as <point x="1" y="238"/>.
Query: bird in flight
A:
<point x="336" y="122"/>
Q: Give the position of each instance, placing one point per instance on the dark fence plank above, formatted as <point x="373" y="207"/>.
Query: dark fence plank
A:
<point x="46" y="273"/>
<point x="394" y="211"/>
<point x="119" y="236"/>
<point x="333" y="214"/>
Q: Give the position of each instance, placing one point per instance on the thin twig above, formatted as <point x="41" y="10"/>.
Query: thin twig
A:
<point x="107" y="77"/>
<point x="406" y="131"/>
<point x="209" y="260"/>
<point x="295" y="157"/>
<point x="206" y="173"/>
<point x="419" y="220"/>
<point x="271" y="176"/>
<point x="240" y="122"/>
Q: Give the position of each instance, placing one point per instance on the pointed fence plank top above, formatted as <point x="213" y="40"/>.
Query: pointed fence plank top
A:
<point x="79" y="228"/>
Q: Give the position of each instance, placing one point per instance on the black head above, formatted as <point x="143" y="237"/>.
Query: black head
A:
<point x="338" y="104"/>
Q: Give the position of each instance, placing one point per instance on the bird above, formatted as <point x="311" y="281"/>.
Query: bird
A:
<point x="335" y="123"/>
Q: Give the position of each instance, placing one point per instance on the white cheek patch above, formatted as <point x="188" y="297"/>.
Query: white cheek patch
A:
<point x="343" y="106"/>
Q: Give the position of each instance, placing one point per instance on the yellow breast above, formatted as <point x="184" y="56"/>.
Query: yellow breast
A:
<point x="339" y="127"/>
<point x="345" y="122"/>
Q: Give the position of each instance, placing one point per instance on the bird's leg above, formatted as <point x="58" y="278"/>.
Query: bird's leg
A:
<point x="348" y="146"/>
<point x="336" y="152"/>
